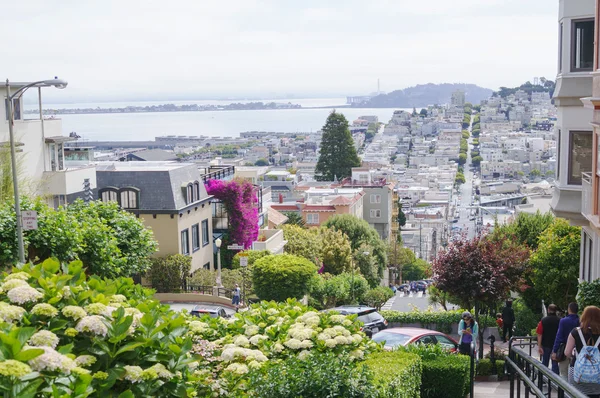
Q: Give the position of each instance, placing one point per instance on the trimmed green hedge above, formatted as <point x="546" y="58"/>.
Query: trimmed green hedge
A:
<point x="445" y="377"/>
<point x="484" y="368"/>
<point x="396" y="374"/>
<point x="441" y="320"/>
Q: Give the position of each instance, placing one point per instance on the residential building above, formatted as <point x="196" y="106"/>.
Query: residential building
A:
<point x="573" y="82"/>
<point x="171" y="200"/>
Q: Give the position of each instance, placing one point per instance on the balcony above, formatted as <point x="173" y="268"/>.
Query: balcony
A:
<point x="271" y="240"/>
<point x="69" y="181"/>
<point x="587" y="197"/>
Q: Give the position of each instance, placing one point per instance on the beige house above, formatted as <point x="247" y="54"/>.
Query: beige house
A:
<point x="171" y="200"/>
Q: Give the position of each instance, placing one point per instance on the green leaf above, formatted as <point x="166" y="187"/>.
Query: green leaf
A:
<point x="26" y="390"/>
<point x="51" y="265"/>
<point x="24" y="334"/>
<point x="128" y="347"/>
<point x="28" y="354"/>
<point x="175" y="348"/>
<point x="42" y="282"/>
<point x="65" y="349"/>
<point x="75" y="267"/>
<point x="126" y="394"/>
<point x="57" y="324"/>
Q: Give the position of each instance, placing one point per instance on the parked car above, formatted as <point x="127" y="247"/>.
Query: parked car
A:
<point x="396" y="337"/>
<point x="421" y="286"/>
<point x="404" y="287"/>
<point x="214" y="312"/>
<point x="373" y="321"/>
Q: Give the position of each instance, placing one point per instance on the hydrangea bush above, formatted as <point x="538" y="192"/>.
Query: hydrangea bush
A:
<point x="63" y="334"/>
<point x="269" y="332"/>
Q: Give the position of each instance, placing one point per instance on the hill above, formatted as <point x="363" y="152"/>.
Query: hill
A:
<point x="544" y="85"/>
<point x="423" y="95"/>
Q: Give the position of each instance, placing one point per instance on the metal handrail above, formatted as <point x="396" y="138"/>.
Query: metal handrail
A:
<point x="530" y="370"/>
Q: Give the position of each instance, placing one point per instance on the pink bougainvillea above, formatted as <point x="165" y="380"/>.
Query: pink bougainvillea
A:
<point x="241" y="204"/>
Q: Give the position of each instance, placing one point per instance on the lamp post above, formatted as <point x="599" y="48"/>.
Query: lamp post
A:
<point x="58" y="83"/>
<point x="218" y="243"/>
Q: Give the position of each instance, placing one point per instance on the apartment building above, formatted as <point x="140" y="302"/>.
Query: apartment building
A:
<point x="573" y="82"/>
<point x="44" y="170"/>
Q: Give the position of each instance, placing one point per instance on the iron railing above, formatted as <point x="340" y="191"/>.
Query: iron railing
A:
<point x="530" y="375"/>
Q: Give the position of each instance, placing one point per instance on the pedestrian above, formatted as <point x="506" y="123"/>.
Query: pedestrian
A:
<point x="586" y="335"/>
<point x="508" y="321"/>
<point x="235" y="298"/>
<point x="468" y="331"/>
<point x="565" y="327"/>
<point x="546" y="335"/>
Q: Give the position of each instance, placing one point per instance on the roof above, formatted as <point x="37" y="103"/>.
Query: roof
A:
<point x="341" y="200"/>
<point x="58" y="139"/>
<point x="153" y="155"/>
<point x="276" y="217"/>
<point x="279" y="188"/>
<point x="318" y="208"/>
<point x="285" y="207"/>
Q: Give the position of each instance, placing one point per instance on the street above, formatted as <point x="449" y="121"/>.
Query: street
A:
<point x="407" y="302"/>
<point x="466" y="222"/>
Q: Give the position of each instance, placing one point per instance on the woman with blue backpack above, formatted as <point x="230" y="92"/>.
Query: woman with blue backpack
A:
<point x="584" y="370"/>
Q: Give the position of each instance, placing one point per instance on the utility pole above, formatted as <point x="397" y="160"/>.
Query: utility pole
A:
<point x="421" y="239"/>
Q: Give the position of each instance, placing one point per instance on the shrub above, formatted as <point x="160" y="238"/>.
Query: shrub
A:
<point x="168" y="274"/>
<point x="525" y="318"/>
<point x="588" y="293"/>
<point x="445" y="375"/>
<point x="395" y="374"/>
<point x="328" y="291"/>
<point x="93" y="336"/>
<point x="484" y="368"/>
<point x="279" y="277"/>
<point x="252" y="255"/>
<point x="318" y="375"/>
<point x="441" y="321"/>
<point x="378" y="296"/>
<point x="498" y="354"/>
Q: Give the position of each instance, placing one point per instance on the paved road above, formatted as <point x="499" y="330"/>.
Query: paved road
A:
<point x="406" y="303"/>
<point x="466" y="222"/>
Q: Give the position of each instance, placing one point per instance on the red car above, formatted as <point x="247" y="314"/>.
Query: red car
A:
<point x="396" y="337"/>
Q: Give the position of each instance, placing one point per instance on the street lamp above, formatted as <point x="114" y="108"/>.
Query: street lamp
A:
<point x="56" y="82"/>
<point x="218" y="243"/>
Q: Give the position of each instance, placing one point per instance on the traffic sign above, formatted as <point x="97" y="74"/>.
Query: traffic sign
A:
<point x="235" y="247"/>
<point x="29" y="218"/>
<point x="244" y="261"/>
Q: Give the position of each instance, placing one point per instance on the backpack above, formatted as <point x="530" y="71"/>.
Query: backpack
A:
<point x="587" y="364"/>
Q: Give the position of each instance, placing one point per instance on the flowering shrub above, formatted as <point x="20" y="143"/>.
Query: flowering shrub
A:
<point x="64" y="334"/>
<point x="268" y="332"/>
<point x="240" y="201"/>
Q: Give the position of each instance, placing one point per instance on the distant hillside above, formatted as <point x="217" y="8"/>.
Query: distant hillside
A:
<point x="423" y="95"/>
<point x="544" y="85"/>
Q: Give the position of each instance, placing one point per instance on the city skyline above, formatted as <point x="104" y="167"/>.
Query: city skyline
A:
<point x="263" y="49"/>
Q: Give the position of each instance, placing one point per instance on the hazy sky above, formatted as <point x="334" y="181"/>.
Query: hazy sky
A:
<point x="183" y="49"/>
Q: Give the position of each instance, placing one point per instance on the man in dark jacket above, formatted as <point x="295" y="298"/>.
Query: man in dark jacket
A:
<point x="508" y="320"/>
<point x="565" y="327"/>
<point x="546" y="335"/>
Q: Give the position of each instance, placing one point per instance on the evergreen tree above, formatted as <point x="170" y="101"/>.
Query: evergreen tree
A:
<point x="338" y="154"/>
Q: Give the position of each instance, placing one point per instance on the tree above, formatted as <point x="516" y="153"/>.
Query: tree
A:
<point x="301" y="242"/>
<point x="401" y="218"/>
<point x="480" y="270"/>
<point x="168" y="274"/>
<point x="283" y="276"/>
<point x="294" y="219"/>
<point x="378" y="296"/>
<point x="417" y="270"/>
<point x="335" y="251"/>
<point x="525" y="229"/>
<point x="423" y="112"/>
<point x="112" y="242"/>
<point x="366" y="264"/>
<point x="327" y="291"/>
<point x="261" y="162"/>
<point x="555" y="263"/>
<point x="462" y="158"/>
<point x="476" y="160"/>
<point x="337" y="154"/>
<point x="459" y="179"/>
<point x="251" y="255"/>
<point x="359" y="231"/>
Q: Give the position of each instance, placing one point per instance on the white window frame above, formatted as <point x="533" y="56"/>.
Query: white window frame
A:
<point x="375" y="213"/>
<point x="109" y="195"/>
<point x="312" y="218"/>
<point x="375" y="198"/>
<point x="129" y="199"/>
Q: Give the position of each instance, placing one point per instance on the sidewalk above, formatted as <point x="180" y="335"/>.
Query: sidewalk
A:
<point x="493" y="389"/>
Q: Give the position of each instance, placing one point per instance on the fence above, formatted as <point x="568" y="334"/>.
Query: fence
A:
<point x="528" y="375"/>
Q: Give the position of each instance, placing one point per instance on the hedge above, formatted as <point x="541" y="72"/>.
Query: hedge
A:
<point x="484" y="368"/>
<point x="441" y="320"/>
<point x="396" y="374"/>
<point x="445" y="377"/>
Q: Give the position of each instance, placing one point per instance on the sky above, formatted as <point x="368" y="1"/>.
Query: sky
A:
<point x="199" y="49"/>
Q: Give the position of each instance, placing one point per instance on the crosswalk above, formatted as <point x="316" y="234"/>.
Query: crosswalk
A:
<point x="389" y="304"/>
<point x="411" y="294"/>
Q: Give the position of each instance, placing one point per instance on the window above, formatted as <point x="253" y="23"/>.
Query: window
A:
<point x="206" y="266"/>
<point x="195" y="237"/>
<point x="109" y="195"/>
<point x="196" y="191"/>
<point x="312" y="219"/>
<point x="445" y="342"/>
<point x="375" y="198"/>
<point x="427" y="340"/>
<point x="129" y="199"/>
<point x="190" y="194"/>
<point x="16" y="108"/>
<point x="185" y="241"/>
<point x="375" y="213"/>
<point x="582" y="45"/>
<point x="205" y="232"/>
<point x="363" y="178"/>
<point x="580" y="155"/>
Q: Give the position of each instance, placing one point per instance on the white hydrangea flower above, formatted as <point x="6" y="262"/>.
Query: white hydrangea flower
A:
<point x="278" y="347"/>
<point x="312" y="321"/>
<point x="358" y="354"/>
<point x="74" y="312"/>
<point x="44" y="338"/>
<point x="161" y="371"/>
<point x="193" y="365"/>
<point x="44" y="309"/>
<point x="24" y="276"/>
<point x="12" y="283"/>
<point x="198" y="326"/>
<point x="241" y="341"/>
<point x="95" y="309"/>
<point x="341" y="340"/>
<point x="341" y="331"/>
<point x="229" y="354"/>
<point x="254" y="365"/>
<point x="272" y="311"/>
<point x="108" y="312"/>
<point x="92" y="324"/>
<point x="51" y="360"/>
<point x="306" y="344"/>
<point x="117" y="298"/>
<point x="237" y="368"/>
<point x="85" y="360"/>
<point x="251" y="330"/>
<point x="301" y="333"/>
<point x="23" y="294"/>
<point x="10" y="313"/>
<point x="133" y="373"/>
<point x="331" y="343"/>
<point x="337" y="318"/>
<point x="254" y="340"/>
<point x="347" y="322"/>
<point x="66" y="292"/>
<point x="357" y="338"/>
<point x="294" y="344"/>
<point x="303" y="355"/>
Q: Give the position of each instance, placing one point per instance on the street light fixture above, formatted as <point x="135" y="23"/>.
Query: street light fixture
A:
<point x="56" y="82"/>
<point x="218" y="243"/>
